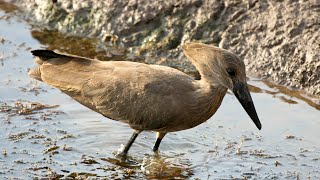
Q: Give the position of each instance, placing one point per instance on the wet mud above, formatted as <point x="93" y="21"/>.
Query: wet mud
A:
<point x="46" y="134"/>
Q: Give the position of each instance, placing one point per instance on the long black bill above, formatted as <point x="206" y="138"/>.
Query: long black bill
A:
<point x="242" y="93"/>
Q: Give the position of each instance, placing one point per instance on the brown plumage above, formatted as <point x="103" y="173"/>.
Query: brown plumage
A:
<point x="149" y="97"/>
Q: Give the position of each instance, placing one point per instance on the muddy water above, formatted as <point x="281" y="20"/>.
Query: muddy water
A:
<point x="44" y="133"/>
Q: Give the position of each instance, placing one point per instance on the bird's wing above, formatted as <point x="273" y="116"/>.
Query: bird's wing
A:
<point x="144" y="96"/>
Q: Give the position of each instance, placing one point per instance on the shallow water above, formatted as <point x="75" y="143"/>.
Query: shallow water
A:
<point x="73" y="141"/>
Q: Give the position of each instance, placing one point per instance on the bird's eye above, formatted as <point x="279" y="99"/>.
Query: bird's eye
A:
<point x="231" y="72"/>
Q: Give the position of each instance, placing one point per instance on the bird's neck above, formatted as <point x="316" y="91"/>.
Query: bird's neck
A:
<point x="209" y="99"/>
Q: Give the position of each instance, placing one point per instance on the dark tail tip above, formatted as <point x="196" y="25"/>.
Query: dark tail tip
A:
<point x="46" y="54"/>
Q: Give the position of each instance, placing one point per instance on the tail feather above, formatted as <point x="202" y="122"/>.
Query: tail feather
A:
<point x="40" y="57"/>
<point x="46" y="54"/>
<point x="66" y="72"/>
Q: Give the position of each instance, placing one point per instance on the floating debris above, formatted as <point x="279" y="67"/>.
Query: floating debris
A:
<point x="4" y="152"/>
<point x="24" y="108"/>
<point x="290" y="137"/>
<point x="17" y="137"/>
<point x="292" y="156"/>
<point x="37" y="136"/>
<point x="239" y="152"/>
<point x="68" y="136"/>
<point x="260" y="153"/>
<point x="20" y="161"/>
<point x="25" y="111"/>
<point x="277" y="163"/>
<point x="61" y="131"/>
<point x="52" y="148"/>
<point x="293" y="137"/>
<point x="36" y="168"/>
<point x="35" y="89"/>
<point x="89" y="161"/>
<point x="315" y="159"/>
<point x="66" y="148"/>
<point x="81" y="175"/>
<point x="248" y="175"/>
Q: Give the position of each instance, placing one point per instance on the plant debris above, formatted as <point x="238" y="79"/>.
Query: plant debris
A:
<point x="24" y="108"/>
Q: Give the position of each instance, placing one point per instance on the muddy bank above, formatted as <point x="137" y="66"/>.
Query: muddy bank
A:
<point x="278" y="40"/>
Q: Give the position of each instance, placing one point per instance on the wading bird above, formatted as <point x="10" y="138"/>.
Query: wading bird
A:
<point x="149" y="97"/>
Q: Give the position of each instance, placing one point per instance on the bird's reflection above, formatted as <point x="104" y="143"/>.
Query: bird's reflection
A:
<point x="154" y="166"/>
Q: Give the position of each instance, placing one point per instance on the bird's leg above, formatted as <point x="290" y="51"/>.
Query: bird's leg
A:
<point x="158" y="141"/>
<point x="130" y="142"/>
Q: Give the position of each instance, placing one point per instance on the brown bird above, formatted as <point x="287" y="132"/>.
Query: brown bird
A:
<point x="149" y="97"/>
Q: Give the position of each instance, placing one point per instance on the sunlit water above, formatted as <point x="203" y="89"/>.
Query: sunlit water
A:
<point x="72" y="140"/>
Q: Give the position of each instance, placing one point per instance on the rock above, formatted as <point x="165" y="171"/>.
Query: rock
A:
<point x="279" y="40"/>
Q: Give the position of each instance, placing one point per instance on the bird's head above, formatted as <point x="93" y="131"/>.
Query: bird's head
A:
<point x="220" y="67"/>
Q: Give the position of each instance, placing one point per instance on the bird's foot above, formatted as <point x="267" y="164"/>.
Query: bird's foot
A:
<point x="121" y="154"/>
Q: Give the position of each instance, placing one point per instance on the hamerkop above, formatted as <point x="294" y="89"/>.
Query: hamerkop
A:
<point x="149" y="97"/>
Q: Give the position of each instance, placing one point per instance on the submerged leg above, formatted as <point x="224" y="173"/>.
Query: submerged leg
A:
<point x="130" y="142"/>
<point x="158" y="141"/>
